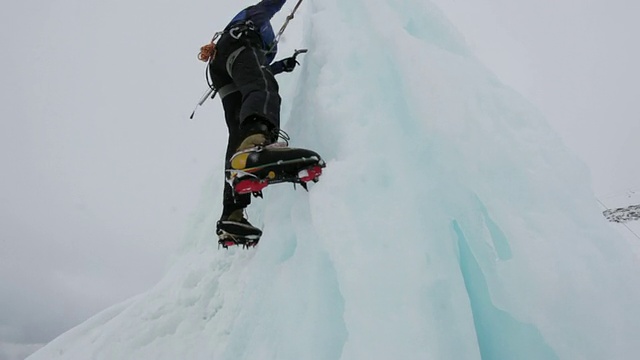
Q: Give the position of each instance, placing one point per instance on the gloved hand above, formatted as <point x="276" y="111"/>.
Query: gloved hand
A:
<point x="289" y="64"/>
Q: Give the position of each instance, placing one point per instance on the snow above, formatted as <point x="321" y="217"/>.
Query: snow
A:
<point x="450" y="223"/>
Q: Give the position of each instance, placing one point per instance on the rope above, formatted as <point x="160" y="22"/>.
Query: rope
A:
<point x="284" y="26"/>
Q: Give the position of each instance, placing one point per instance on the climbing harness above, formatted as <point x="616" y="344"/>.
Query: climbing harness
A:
<point x="209" y="51"/>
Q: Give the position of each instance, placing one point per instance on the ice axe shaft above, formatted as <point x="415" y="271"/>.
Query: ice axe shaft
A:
<point x="284" y="26"/>
<point x="211" y="92"/>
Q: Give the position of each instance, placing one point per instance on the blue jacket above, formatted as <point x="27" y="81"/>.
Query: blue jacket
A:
<point x="261" y="14"/>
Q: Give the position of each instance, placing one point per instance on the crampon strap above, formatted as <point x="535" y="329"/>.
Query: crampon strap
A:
<point x="310" y="174"/>
<point x="248" y="186"/>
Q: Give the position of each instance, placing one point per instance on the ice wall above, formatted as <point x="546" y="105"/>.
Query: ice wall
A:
<point x="450" y="223"/>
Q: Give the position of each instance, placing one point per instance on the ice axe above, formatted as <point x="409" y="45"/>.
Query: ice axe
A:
<point x="298" y="52"/>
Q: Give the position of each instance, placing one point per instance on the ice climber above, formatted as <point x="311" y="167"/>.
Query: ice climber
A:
<point x="242" y="70"/>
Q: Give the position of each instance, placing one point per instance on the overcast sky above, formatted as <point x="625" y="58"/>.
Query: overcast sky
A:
<point x="101" y="168"/>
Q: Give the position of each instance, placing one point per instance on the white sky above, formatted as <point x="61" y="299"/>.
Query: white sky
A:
<point x="576" y="60"/>
<point x="101" y="168"/>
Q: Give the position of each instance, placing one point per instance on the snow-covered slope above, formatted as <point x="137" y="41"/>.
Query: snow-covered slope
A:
<point x="450" y="223"/>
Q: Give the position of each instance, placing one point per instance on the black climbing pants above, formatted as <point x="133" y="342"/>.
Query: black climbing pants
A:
<point x="239" y="65"/>
<point x="249" y="93"/>
<point x="232" y="104"/>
